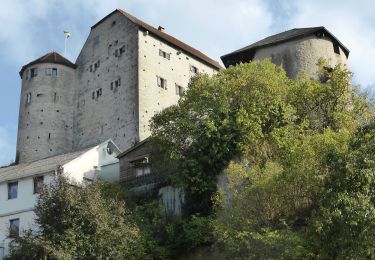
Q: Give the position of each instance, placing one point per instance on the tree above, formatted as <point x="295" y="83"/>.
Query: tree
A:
<point x="79" y="222"/>
<point x="344" y="224"/>
<point x="275" y="136"/>
<point x="215" y="121"/>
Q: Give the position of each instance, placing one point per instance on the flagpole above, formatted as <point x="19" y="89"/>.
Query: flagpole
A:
<point x="67" y="35"/>
<point x="65" y="46"/>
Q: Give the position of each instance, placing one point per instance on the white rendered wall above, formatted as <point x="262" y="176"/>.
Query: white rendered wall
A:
<point x="21" y="207"/>
<point x="89" y="164"/>
<point x="176" y="70"/>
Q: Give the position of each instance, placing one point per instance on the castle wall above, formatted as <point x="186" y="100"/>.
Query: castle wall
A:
<point x="45" y="117"/>
<point x="302" y="54"/>
<point x="101" y="110"/>
<point x="176" y="69"/>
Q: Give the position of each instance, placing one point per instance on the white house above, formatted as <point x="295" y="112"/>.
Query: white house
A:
<point x="20" y="184"/>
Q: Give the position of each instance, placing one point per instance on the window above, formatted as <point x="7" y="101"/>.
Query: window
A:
<point x="12" y="190"/>
<point x="38" y="181"/>
<point x="14" y="227"/>
<point x="336" y="48"/>
<point x="90" y="68"/>
<point x="51" y="72"/>
<point x="179" y="90"/>
<point x="162" y="82"/>
<point x="142" y="170"/>
<point x="164" y="54"/>
<point x="97" y="65"/>
<point x="122" y="50"/>
<point x="97" y="93"/>
<point x="194" y="69"/>
<point x="33" y="72"/>
<point x="28" y="98"/>
<point x="115" y="84"/>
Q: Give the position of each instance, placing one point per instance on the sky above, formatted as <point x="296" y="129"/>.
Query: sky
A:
<point x="31" y="28"/>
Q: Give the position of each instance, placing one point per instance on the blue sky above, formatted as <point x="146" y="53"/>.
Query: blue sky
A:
<point x="31" y="28"/>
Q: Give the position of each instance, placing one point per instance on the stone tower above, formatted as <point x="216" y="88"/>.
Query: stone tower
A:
<point x="45" y="117"/>
<point x="295" y="50"/>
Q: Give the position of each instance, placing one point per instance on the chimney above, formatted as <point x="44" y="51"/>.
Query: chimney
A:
<point x="161" y="28"/>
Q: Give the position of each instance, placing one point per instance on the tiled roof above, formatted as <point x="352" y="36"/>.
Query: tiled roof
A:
<point x="38" y="167"/>
<point x="51" y="57"/>
<point x="286" y="36"/>
<point x="166" y="37"/>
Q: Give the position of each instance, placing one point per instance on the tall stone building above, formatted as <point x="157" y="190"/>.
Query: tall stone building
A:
<point x="126" y="72"/>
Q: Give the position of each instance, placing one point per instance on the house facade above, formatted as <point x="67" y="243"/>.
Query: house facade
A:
<point x="21" y="184"/>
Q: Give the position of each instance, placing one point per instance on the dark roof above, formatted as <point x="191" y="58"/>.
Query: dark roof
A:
<point x="51" y="57"/>
<point x="286" y="36"/>
<point x="166" y="37"/>
<point x="136" y="146"/>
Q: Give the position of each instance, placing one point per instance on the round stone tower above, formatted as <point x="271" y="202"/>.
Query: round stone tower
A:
<point x="296" y="50"/>
<point x="46" y="108"/>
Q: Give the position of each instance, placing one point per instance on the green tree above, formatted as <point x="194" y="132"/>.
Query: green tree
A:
<point x="276" y="135"/>
<point x="344" y="224"/>
<point x="79" y="222"/>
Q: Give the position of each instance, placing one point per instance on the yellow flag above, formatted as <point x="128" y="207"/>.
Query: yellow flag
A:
<point x="67" y="34"/>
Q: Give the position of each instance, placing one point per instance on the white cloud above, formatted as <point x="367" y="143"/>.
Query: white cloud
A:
<point x="31" y="28"/>
<point x="353" y="23"/>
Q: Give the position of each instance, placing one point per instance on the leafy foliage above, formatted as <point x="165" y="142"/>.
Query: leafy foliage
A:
<point x="79" y="223"/>
<point x="280" y="139"/>
<point x="345" y="220"/>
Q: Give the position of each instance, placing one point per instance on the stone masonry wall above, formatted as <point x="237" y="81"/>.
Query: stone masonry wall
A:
<point x="46" y="121"/>
<point x="302" y="54"/>
<point x="103" y="110"/>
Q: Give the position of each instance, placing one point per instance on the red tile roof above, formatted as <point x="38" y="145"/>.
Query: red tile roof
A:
<point x="166" y="37"/>
<point x="51" y="57"/>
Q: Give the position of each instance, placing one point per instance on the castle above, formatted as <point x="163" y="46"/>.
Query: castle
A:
<point x="126" y="71"/>
<point x="80" y="116"/>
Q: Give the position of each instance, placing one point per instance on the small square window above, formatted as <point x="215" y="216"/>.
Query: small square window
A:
<point x="12" y="190"/>
<point x="164" y="54"/>
<point x="122" y="49"/>
<point x="33" y="72"/>
<point x="336" y="48"/>
<point x="142" y="171"/>
<point x="54" y="72"/>
<point x="194" y="69"/>
<point x="39" y="181"/>
<point x="179" y="90"/>
<point x="14" y="227"/>
<point x="48" y="72"/>
<point x="28" y="98"/>
<point x="161" y="82"/>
